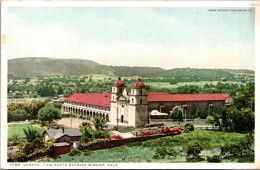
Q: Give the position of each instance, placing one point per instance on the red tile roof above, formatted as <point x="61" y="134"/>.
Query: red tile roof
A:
<point x="157" y="93"/>
<point x="185" y="97"/>
<point x="103" y="99"/>
<point x="97" y="99"/>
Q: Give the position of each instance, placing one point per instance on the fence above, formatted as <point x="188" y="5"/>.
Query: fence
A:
<point x="207" y="127"/>
<point x="114" y="143"/>
<point x="170" y="120"/>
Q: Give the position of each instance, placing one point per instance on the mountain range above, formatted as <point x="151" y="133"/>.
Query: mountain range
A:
<point x="41" y="66"/>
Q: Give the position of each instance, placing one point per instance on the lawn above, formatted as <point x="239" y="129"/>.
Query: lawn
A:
<point x="174" y="146"/>
<point x="17" y="129"/>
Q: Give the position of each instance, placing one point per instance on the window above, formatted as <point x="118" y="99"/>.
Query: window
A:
<point x="141" y="91"/>
<point x="141" y="101"/>
<point x="122" y="119"/>
<point x="132" y="100"/>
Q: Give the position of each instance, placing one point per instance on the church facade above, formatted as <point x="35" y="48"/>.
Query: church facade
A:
<point x="133" y="108"/>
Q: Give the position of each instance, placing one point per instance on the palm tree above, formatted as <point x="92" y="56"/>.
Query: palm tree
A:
<point x="97" y="123"/>
<point x="103" y="123"/>
<point x="31" y="134"/>
<point x="100" y="123"/>
<point x="86" y="129"/>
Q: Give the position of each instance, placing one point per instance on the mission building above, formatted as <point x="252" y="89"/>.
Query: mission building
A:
<point x="133" y="108"/>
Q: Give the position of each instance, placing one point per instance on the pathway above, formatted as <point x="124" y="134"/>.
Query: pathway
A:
<point x="72" y="123"/>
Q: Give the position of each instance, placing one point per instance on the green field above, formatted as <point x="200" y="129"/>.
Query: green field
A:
<point x="17" y="129"/>
<point x="200" y="84"/>
<point x="25" y="100"/>
<point x="144" y="151"/>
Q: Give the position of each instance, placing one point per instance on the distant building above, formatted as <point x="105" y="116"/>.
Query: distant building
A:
<point x="132" y="109"/>
<point x="63" y="138"/>
<point x="63" y="135"/>
<point x="59" y="99"/>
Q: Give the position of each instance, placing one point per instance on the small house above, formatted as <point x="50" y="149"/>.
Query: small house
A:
<point x="62" y="139"/>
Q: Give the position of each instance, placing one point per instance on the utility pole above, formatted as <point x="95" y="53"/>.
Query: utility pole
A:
<point x="149" y="119"/>
<point x="117" y="117"/>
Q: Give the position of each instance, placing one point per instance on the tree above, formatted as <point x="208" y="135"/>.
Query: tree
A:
<point x="19" y="115"/>
<point x="240" y="117"/>
<point x="245" y="98"/>
<point x="173" y="81"/>
<point x="60" y="90"/>
<point x="210" y="119"/>
<point x="31" y="134"/>
<point x="97" y="123"/>
<point x="86" y="129"/>
<point x="49" y="113"/>
<point x="176" y="114"/>
<point x="201" y="112"/>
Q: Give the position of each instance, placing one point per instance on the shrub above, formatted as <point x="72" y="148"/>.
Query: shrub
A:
<point x="74" y="152"/>
<point x="240" y="147"/>
<point x="215" y="159"/>
<point x="31" y="134"/>
<point x="115" y="128"/>
<point x="87" y="152"/>
<point x="188" y="127"/>
<point x="162" y="152"/>
<point x="84" y="139"/>
<point x="156" y="156"/>
<point x="193" y="149"/>
<point x="30" y="150"/>
<point x="16" y="139"/>
<point x="19" y="115"/>
<point x="210" y="119"/>
<point x="201" y="112"/>
<point x="176" y="114"/>
<point x="100" y="134"/>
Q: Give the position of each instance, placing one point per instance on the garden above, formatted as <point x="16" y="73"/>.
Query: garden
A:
<point x="196" y="146"/>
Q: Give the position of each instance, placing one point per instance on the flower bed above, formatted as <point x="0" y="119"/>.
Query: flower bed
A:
<point x="162" y="130"/>
<point x="116" y="137"/>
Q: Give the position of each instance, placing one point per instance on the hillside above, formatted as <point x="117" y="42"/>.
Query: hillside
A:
<point x="124" y="71"/>
<point x="40" y="66"/>
<point x="31" y="67"/>
<point x="192" y="73"/>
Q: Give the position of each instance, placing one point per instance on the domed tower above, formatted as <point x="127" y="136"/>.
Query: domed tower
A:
<point x="138" y="104"/>
<point x="118" y="88"/>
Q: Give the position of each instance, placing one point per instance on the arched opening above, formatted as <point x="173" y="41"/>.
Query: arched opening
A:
<point x="122" y="119"/>
<point x="107" y="117"/>
<point x="141" y="92"/>
<point x="141" y="101"/>
<point x="132" y="100"/>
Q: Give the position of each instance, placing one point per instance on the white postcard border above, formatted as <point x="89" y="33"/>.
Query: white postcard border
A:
<point x="4" y="54"/>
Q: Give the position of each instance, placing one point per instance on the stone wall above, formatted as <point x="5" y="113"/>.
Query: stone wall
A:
<point x="187" y="120"/>
<point x="119" y="142"/>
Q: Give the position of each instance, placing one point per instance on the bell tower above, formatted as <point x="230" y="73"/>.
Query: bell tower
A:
<point x="138" y="105"/>
<point x="118" y="88"/>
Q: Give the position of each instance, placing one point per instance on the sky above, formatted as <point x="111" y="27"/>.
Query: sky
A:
<point x="165" y="37"/>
